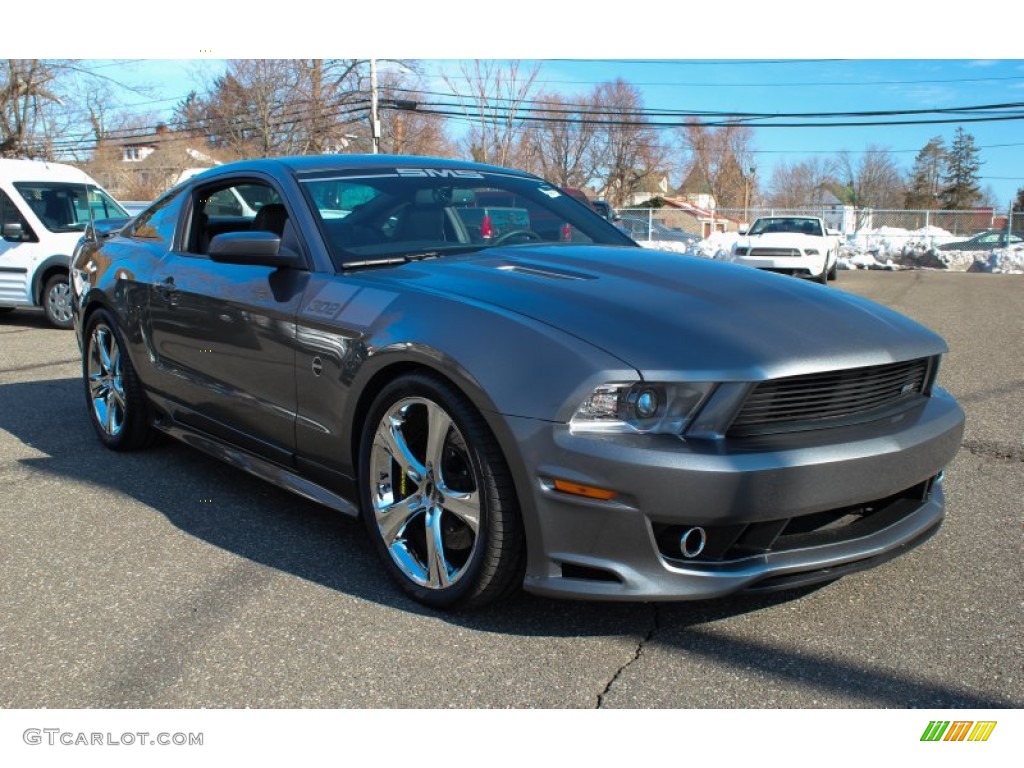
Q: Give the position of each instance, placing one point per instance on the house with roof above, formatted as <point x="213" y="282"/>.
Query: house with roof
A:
<point x="696" y="219"/>
<point x="142" y="166"/>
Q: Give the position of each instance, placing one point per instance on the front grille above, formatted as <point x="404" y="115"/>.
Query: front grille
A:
<point x="771" y="253"/>
<point x="818" y="400"/>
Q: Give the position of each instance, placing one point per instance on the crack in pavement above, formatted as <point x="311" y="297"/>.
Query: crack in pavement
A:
<point x="656" y="625"/>
<point x="991" y="450"/>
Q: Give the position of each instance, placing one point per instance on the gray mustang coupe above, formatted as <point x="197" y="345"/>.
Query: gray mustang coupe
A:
<point x="507" y="389"/>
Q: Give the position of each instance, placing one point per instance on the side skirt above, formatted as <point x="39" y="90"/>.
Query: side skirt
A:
<point x="261" y="468"/>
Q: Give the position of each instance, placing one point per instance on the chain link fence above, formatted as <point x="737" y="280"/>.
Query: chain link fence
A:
<point x="861" y="227"/>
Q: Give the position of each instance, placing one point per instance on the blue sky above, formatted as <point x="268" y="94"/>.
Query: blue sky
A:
<point x="758" y="85"/>
<point x="855" y="56"/>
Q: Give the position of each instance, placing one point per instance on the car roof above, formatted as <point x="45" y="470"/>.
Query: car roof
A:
<point x="40" y="170"/>
<point x="314" y="164"/>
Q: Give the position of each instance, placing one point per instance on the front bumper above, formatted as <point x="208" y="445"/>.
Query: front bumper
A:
<point x="886" y="472"/>
<point x="791" y="265"/>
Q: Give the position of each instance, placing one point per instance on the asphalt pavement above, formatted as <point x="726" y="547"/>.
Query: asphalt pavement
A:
<point x="166" y="579"/>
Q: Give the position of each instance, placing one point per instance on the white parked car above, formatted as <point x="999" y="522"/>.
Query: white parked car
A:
<point x="794" y="245"/>
<point x="44" y="209"/>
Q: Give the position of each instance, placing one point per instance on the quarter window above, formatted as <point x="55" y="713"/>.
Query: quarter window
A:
<point x="157" y="223"/>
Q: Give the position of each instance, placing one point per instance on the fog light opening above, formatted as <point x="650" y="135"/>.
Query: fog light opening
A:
<point x="692" y="542"/>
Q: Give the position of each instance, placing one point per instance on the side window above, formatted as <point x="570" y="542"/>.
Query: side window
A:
<point x="158" y="222"/>
<point x="221" y="208"/>
<point x="9" y="215"/>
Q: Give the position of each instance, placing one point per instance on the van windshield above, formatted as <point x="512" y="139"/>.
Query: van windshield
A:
<point x="68" y="207"/>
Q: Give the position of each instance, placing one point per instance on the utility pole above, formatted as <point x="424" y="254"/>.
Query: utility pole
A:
<point x="374" y="117"/>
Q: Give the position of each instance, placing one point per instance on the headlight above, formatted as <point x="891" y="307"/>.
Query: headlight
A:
<point x="640" y="407"/>
<point x="811" y="251"/>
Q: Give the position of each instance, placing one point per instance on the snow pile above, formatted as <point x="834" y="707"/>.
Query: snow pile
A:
<point x="888" y="248"/>
<point x="1003" y="261"/>
<point x="717" y="246"/>
<point x="665" y="245"/>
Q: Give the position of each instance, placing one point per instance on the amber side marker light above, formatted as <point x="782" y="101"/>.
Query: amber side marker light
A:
<point x="587" y="491"/>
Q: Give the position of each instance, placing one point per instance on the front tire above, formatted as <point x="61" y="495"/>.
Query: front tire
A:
<point x="437" y="495"/>
<point x="57" y="302"/>
<point x="118" y="408"/>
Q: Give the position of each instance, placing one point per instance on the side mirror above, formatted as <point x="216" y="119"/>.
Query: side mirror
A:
<point x="254" y="248"/>
<point x="101" y="229"/>
<point x="743" y="229"/>
<point x="13" y="230"/>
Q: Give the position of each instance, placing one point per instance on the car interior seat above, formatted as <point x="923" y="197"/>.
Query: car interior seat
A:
<point x="270" y="218"/>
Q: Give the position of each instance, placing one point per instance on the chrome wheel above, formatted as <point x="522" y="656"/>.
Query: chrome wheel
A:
<point x="424" y="493"/>
<point x="105" y="381"/>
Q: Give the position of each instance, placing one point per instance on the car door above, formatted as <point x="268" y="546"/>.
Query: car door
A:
<point x="19" y="250"/>
<point x="223" y="334"/>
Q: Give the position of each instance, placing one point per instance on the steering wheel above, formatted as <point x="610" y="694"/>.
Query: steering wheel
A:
<point x="528" y="235"/>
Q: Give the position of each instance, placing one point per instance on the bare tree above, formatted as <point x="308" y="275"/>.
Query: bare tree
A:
<point x="404" y="129"/>
<point x="630" y="150"/>
<point x="563" y="148"/>
<point x="720" y="160"/>
<point x="330" y="103"/>
<point x="27" y="91"/>
<point x="492" y="95"/>
<point x="874" y="180"/>
<point x="799" y="184"/>
<point x="250" y="110"/>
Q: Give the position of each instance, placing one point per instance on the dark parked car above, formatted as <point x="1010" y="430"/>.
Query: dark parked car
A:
<point x="983" y="241"/>
<point x="582" y="418"/>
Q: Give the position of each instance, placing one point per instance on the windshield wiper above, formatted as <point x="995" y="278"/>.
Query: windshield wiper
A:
<point x="405" y="258"/>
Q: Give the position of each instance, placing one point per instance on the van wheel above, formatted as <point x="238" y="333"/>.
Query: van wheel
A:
<point x="57" y="301"/>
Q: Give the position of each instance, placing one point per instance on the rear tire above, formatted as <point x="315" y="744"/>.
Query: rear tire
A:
<point x="437" y="496"/>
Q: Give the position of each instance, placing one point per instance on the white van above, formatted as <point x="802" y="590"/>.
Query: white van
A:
<point x="44" y="209"/>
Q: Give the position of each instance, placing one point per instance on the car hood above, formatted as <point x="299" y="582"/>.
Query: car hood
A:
<point x="678" y="317"/>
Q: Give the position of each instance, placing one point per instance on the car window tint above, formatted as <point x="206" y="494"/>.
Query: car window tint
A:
<point x="158" y="221"/>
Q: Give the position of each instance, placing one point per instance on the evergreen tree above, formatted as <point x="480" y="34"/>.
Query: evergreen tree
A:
<point x="1018" y="203"/>
<point x="925" y="182"/>
<point x="962" y="189"/>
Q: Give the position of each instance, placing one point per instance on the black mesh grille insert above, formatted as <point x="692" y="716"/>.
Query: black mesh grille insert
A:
<point x="819" y="399"/>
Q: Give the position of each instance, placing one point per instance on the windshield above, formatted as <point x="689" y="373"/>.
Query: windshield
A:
<point x="787" y="224"/>
<point x="404" y="213"/>
<point x="68" y="207"/>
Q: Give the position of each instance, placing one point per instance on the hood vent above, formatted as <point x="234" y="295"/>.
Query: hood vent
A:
<point x="550" y="273"/>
